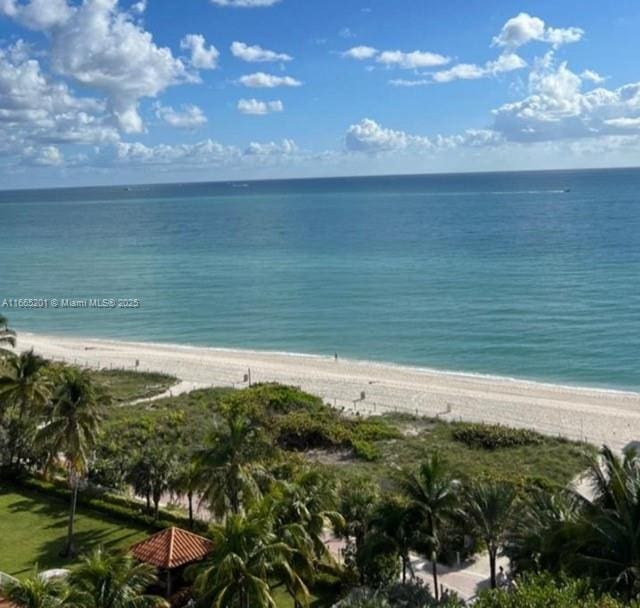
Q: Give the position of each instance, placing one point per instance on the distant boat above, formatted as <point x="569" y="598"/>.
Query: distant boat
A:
<point x="239" y="185"/>
<point x="567" y="190"/>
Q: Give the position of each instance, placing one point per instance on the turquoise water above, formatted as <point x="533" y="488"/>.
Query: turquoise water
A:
<point x="505" y="274"/>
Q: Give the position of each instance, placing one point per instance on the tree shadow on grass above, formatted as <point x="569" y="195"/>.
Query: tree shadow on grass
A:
<point x="48" y="555"/>
<point x="50" y="519"/>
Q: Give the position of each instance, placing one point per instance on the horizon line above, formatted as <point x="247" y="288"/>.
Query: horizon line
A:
<point x="327" y="178"/>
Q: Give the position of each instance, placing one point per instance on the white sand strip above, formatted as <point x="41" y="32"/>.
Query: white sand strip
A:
<point x="599" y="416"/>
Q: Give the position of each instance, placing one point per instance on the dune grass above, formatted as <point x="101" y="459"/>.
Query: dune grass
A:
<point x="551" y="462"/>
<point x="128" y="385"/>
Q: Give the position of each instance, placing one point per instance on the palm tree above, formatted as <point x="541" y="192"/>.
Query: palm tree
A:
<point x="26" y="387"/>
<point x="187" y="482"/>
<point x="26" y="382"/>
<point x="609" y="528"/>
<point x="247" y="555"/>
<point x="102" y="580"/>
<point x="310" y="500"/>
<point x="7" y="337"/>
<point x="71" y="431"/>
<point x="434" y="492"/>
<point x="597" y="537"/>
<point x="488" y="508"/>
<point x="542" y="530"/>
<point x="394" y="529"/>
<point x="231" y="463"/>
<point x="357" y="504"/>
<point x="35" y="592"/>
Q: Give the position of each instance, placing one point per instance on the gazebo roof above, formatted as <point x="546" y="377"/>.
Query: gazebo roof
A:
<point x="172" y="548"/>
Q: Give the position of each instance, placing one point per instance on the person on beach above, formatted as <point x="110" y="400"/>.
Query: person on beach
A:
<point x="335" y="357"/>
<point x="501" y="579"/>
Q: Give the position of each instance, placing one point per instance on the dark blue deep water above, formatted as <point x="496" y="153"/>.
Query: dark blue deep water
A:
<point x="533" y="275"/>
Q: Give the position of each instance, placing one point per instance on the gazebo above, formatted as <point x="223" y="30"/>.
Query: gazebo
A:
<point x="172" y="549"/>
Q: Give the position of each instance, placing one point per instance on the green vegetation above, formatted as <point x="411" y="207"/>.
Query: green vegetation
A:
<point x="33" y="528"/>
<point x="375" y="447"/>
<point x="545" y="592"/>
<point x="494" y="436"/>
<point x="277" y="469"/>
<point x="99" y="580"/>
<point x="125" y="386"/>
<point x="7" y="336"/>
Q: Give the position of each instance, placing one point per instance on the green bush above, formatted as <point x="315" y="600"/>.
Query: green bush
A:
<point x="281" y="398"/>
<point x="543" y="592"/>
<point x="372" y="429"/>
<point x="366" y="450"/>
<point x="493" y="436"/>
<point x="300" y="431"/>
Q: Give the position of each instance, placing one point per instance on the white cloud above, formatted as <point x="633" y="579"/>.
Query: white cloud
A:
<point x="360" y="52"/>
<point x="403" y="82"/>
<point x="413" y="60"/>
<point x="557" y="108"/>
<point x="37" y="14"/>
<point x="507" y="62"/>
<point x="285" y="148"/>
<point x="44" y="156"/>
<point x="139" y="7"/>
<point x="260" y="80"/>
<point x="188" y="117"/>
<point x="99" y="47"/>
<point x="346" y="33"/>
<point x="34" y="110"/>
<point x="245" y="3"/>
<point x="259" y="108"/>
<point x="202" y="57"/>
<point x="256" y="53"/>
<point x="624" y="123"/>
<point x="592" y="76"/>
<point x="524" y="28"/>
<point x="207" y="152"/>
<point x="201" y="154"/>
<point x="369" y="136"/>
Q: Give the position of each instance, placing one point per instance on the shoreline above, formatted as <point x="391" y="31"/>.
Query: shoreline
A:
<point x="408" y="367"/>
<point x="598" y="415"/>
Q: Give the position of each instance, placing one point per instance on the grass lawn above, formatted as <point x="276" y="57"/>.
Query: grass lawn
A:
<point x="283" y="599"/>
<point x="33" y="530"/>
<point x="128" y="385"/>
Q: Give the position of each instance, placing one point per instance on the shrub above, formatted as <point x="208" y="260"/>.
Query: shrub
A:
<point x="281" y="398"/>
<point x="363" y="598"/>
<point x="494" y="436"/>
<point x="301" y="431"/>
<point x="365" y="450"/>
<point x="542" y="591"/>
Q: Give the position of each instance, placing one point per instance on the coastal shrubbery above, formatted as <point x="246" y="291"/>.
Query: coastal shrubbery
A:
<point x="494" y="436"/>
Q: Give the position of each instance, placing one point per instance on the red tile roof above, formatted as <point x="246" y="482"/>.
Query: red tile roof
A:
<point x="171" y="548"/>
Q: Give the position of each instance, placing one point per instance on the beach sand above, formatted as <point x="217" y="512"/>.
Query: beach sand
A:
<point x="597" y="416"/>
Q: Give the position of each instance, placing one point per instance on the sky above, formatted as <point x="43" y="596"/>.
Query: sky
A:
<point x="97" y="92"/>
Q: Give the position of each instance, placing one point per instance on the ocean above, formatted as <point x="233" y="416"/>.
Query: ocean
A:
<point x="531" y="275"/>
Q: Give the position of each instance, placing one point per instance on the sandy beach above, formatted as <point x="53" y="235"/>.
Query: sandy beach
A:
<point x="598" y="416"/>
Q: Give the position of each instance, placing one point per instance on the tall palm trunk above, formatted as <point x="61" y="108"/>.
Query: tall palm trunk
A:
<point x="434" y="569"/>
<point x="69" y="550"/>
<point x="190" y="499"/>
<point x="492" y="567"/>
